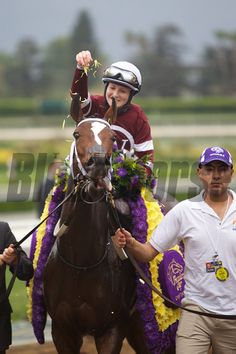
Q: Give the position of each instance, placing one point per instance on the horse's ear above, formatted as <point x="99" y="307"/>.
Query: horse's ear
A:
<point x="111" y="113"/>
<point x="75" y="108"/>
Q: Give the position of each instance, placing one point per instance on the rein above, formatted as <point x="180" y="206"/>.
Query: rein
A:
<point x="87" y="201"/>
<point x="17" y="244"/>
<point x="149" y="283"/>
<point x="12" y="281"/>
<point x="84" y="268"/>
<point x="69" y="264"/>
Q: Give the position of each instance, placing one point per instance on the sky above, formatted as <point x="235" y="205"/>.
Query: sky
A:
<point x="47" y="20"/>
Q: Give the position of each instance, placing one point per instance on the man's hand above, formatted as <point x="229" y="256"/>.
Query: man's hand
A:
<point x="144" y="252"/>
<point x="123" y="238"/>
<point x="8" y="256"/>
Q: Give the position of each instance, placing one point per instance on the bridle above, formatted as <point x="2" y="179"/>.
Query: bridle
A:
<point x="83" y="190"/>
<point x="82" y="167"/>
<point x="83" y="180"/>
<point x="81" y="176"/>
<point x="73" y="150"/>
<point x="81" y="183"/>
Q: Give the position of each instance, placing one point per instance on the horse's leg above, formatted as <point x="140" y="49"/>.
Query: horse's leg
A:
<point x="65" y="340"/>
<point x="171" y="350"/>
<point x="135" y="334"/>
<point x="110" y="342"/>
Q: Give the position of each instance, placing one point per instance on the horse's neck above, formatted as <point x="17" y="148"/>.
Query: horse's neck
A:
<point x="87" y="221"/>
<point x="85" y="241"/>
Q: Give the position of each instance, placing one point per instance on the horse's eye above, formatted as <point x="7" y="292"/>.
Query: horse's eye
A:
<point x="76" y="135"/>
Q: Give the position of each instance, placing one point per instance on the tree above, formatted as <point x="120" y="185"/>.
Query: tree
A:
<point x="219" y="66"/>
<point x="24" y="69"/>
<point x="56" y="68"/>
<point x="82" y="36"/>
<point x="5" y="60"/>
<point x="59" y="56"/>
<point x="48" y="71"/>
<point x="160" y="61"/>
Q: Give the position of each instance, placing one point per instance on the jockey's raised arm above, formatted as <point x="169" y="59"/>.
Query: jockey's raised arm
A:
<point x="122" y="81"/>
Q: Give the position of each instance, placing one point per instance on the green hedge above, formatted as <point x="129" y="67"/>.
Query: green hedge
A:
<point x="6" y="207"/>
<point x="33" y="106"/>
<point x="19" y="106"/>
<point x="195" y="105"/>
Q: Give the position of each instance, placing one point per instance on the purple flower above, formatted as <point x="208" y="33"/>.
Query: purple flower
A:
<point x="115" y="146"/>
<point x="153" y="183"/>
<point x="157" y="341"/>
<point x="118" y="159"/>
<point x="39" y="313"/>
<point x="134" y="180"/>
<point x="32" y="246"/>
<point x="121" y="172"/>
<point x="137" y="212"/>
<point x="141" y="224"/>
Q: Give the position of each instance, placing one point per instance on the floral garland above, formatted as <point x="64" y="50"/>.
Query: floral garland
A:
<point x="129" y="175"/>
<point x="130" y="181"/>
<point x="160" y="322"/>
<point x="165" y="315"/>
<point x="41" y="246"/>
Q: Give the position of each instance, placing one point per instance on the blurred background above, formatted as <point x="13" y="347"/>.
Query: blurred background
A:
<point x="186" y="51"/>
<point x="187" y="55"/>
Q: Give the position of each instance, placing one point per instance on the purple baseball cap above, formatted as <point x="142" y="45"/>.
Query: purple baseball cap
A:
<point x="215" y="153"/>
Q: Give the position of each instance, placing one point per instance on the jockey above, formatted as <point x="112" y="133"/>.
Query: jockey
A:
<point x="122" y="81"/>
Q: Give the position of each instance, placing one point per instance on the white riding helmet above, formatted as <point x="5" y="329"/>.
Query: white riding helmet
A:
<point x="125" y="73"/>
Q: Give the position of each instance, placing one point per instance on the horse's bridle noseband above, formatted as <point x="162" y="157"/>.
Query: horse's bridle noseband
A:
<point x="80" y="183"/>
<point x="83" y="188"/>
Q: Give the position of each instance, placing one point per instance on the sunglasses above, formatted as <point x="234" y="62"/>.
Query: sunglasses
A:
<point x="127" y="76"/>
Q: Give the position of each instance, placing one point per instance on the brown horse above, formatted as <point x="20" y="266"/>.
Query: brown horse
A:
<point x="88" y="289"/>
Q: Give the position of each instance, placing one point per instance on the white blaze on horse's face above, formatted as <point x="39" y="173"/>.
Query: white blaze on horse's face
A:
<point x="102" y="139"/>
<point x="97" y="127"/>
<point x="92" y="146"/>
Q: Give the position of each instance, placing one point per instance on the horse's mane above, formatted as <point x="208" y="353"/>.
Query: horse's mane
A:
<point x="95" y="115"/>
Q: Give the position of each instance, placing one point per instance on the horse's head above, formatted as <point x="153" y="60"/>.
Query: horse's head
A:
<point x="92" y="151"/>
<point x="93" y="148"/>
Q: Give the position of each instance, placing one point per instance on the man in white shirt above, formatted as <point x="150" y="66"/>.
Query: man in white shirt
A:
<point x="206" y="224"/>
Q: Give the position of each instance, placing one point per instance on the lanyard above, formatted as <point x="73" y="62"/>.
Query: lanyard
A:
<point x="215" y="244"/>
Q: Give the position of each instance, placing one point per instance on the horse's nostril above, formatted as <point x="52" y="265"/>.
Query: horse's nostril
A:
<point x="90" y="162"/>
<point x="107" y="162"/>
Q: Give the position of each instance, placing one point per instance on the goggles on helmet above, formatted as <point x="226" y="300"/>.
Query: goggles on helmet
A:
<point x="122" y="75"/>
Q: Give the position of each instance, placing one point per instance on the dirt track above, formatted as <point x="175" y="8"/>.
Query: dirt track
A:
<point x="88" y="348"/>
